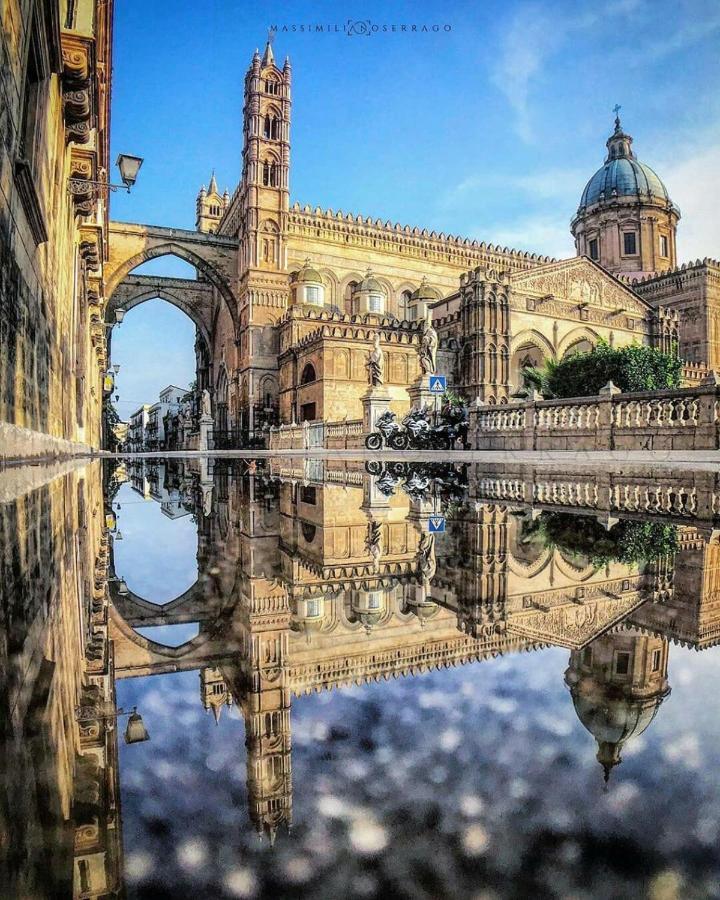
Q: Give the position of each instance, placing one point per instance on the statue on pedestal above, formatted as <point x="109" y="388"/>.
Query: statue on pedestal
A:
<point x="376" y="364"/>
<point x="205" y="409"/>
<point x="428" y="348"/>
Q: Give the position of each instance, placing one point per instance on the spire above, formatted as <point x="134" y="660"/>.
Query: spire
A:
<point x="268" y="57"/>
<point x="213" y="189"/>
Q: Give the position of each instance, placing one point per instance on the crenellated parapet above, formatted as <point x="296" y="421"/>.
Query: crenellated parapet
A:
<point x="359" y="230"/>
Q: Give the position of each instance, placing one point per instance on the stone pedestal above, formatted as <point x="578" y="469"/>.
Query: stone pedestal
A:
<point x="375" y="402"/>
<point x="420" y="394"/>
<point x="206" y="427"/>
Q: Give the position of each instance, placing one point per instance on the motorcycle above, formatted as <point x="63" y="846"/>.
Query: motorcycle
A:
<point x="423" y="435"/>
<point x="388" y="432"/>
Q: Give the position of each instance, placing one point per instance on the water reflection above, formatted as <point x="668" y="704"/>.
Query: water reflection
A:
<point x="247" y="588"/>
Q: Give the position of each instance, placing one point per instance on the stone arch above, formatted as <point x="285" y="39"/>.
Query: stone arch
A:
<point x="343" y="297"/>
<point x="170" y="248"/>
<point x="128" y="298"/>
<point x="529" y="348"/>
<point x="576" y="336"/>
<point x="330" y="281"/>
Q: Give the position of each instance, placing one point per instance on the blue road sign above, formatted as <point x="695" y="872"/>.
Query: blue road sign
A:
<point x="438" y="384"/>
<point x="436" y="524"/>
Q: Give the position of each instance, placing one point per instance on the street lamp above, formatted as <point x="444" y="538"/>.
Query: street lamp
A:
<point x="129" y="167"/>
<point x="123" y="588"/>
<point x="119" y="316"/>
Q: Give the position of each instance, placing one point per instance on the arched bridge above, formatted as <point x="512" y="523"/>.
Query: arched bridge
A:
<point x="213" y="256"/>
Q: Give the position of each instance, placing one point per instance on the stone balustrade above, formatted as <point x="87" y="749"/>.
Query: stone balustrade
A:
<point x="669" y="494"/>
<point x="326" y="435"/>
<point x="674" y="419"/>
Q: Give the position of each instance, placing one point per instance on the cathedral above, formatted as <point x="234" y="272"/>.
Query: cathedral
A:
<point x="316" y="287"/>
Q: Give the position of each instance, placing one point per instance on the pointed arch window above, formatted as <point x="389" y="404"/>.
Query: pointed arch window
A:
<point x="271" y="127"/>
<point x="270" y="174"/>
<point x="272" y="87"/>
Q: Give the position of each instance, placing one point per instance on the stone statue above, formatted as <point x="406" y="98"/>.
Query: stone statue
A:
<point x="428" y="348"/>
<point x="206" y="410"/>
<point x="426" y="558"/>
<point x="374" y="543"/>
<point x="376" y="364"/>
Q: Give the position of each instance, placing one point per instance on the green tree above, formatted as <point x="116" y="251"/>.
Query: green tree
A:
<point x="631" y="368"/>
<point x="628" y="541"/>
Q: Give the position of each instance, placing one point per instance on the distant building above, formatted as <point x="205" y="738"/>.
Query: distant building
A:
<point x="136" y="429"/>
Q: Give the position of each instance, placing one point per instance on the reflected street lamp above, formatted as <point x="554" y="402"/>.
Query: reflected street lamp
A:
<point x="135" y="732"/>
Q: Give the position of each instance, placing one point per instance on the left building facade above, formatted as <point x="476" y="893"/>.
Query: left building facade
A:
<point x="55" y="79"/>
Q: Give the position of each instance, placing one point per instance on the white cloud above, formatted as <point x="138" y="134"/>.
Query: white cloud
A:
<point x="546" y="233"/>
<point x="692" y="183"/>
<point x="537" y="33"/>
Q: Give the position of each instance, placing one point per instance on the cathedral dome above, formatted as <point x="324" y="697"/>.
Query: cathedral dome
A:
<point x="623" y="175"/>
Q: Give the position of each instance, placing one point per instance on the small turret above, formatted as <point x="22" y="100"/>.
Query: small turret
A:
<point x="209" y="207"/>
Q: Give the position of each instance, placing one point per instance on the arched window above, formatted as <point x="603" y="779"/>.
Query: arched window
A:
<point x="271" y="127"/>
<point x="404" y="307"/>
<point x="270" y="174"/>
<point x="348" y="298"/>
<point x="271" y="87"/>
<point x="308" y="374"/>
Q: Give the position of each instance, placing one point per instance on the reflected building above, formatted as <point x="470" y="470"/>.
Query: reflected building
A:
<point x="617" y="684"/>
<point x="309" y="579"/>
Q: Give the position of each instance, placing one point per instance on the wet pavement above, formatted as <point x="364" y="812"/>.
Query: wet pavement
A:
<point x="360" y="677"/>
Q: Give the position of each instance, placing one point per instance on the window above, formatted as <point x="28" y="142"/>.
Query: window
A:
<point x="411" y="313"/>
<point x="622" y="663"/>
<point x="32" y="102"/>
<point x="593" y="249"/>
<point x="664" y="245"/>
<point x="629" y="244"/>
<point x="313" y="608"/>
<point x="308" y="494"/>
<point x="312" y="294"/>
<point x="308" y="532"/>
<point x="656" y="657"/>
<point x="271" y="128"/>
<point x="270" y="174"/>
<point x="308" y="412"/>
<point x="375" y="303"/>
<point x="272" y="87"/>
<point x="373" y="599"/>
<point x="587" y="656"/>
<point x="308" y="374"/>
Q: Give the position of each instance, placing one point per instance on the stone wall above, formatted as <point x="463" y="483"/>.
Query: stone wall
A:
<point x="54" y="105"/>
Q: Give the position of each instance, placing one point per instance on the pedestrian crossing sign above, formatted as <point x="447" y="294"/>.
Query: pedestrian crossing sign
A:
<point x="438" y="384"/>
<point x="436" y="525"/>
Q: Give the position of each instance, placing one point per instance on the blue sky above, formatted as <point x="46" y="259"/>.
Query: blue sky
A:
<point x="488" y="127"/>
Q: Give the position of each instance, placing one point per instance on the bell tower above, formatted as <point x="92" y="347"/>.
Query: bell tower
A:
<point x="266" y="163"/>
<point x="263" y="204"/>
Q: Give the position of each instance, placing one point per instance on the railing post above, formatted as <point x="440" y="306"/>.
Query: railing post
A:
<point x="605" y="434"/>
<point x="530" y="429"/>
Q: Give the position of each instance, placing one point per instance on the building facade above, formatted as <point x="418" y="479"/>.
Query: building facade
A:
<point x="312" y="289"/>
<point x="54" y="143"/>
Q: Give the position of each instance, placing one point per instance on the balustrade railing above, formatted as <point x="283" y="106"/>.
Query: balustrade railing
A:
<point x="681" y="418"/>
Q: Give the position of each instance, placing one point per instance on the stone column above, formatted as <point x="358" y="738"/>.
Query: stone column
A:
<point x="206" y="427"/>
<point x="375" y="401"/>
<point x="420" y="393"/>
